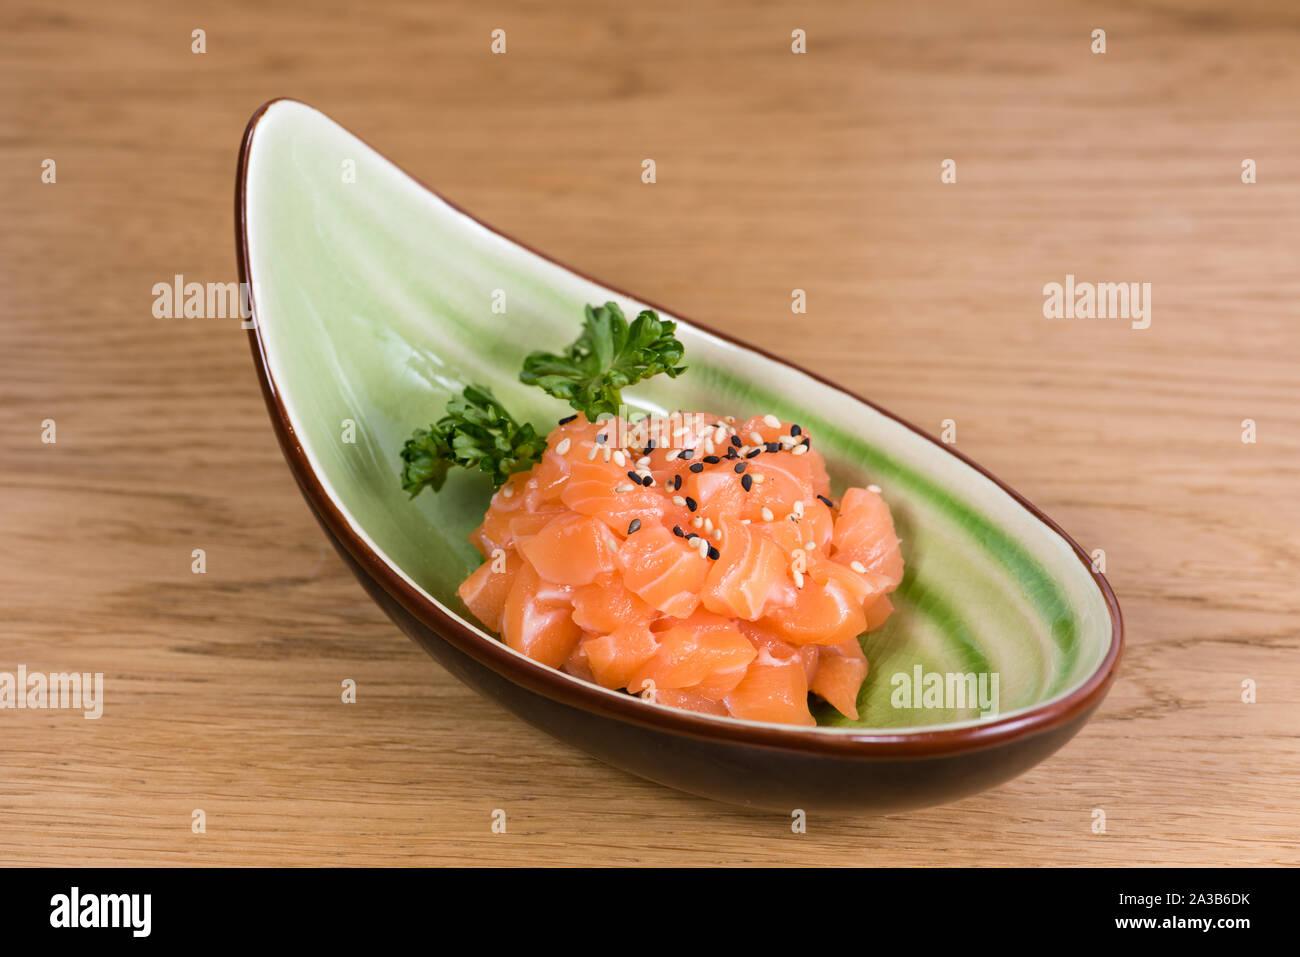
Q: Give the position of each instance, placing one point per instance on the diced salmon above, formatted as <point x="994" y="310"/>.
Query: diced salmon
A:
<point x="786" y="479"/>
<point x="555" y="593"/>
<point x="605" y="491"/>
<point x="571" y="550"/>
<point x="864" y="533"/>
<point x="663" y="570"/>
<point x="493" y="533"/>
<point x="542" y="631"/>
<point x="604" y="577"/>
<point x="548" y="479"/>
<point x="768" y="642"/>
<point x="697" y="649"/>
<point x="877" y="611"/>
<point x="820" y="483"/>
<point x="606" y="604"/>
<point x="773" y="690"/>
<point x="484" y="592"/>
<point x="578" y="664"/>
<point x="861" y="587"/>
<point x="614" y="658"/>
<point x="745" y="575"/>
<point x="690" y="701"/>
<point x="523" y="524"/>
<point x="840" y="672"/>
<point x="822" y="613"/>
<point x="718" y="492"/>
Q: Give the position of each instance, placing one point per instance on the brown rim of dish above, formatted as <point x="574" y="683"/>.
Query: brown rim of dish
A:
<point x="558" y="686"/>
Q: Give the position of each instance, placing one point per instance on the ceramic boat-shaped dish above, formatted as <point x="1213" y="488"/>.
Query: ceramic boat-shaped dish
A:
<point x="372" y="298"/>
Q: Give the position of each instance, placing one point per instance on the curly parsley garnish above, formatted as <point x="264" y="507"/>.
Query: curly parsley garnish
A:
<point x="476" y="433"/>
<point x="610" y="355"/>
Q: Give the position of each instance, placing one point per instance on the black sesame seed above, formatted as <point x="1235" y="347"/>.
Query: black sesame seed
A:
<point x="677" y="530"/>
<point x="714" y="553"/>
<point x="648" y="481"/>
<point x="688" y="453"/>
<point x="634" y="525"/>
<point x="795" y="430"/>
<point x="828" y="503"/>
<point x="807" y="440"/>
<point x="649" y="446"/>
<point x="731" y="452"/>
<point x="691" y="503"/>
<point x="735" y="441"/>
<point x="691" y="536"/>
<point x="712" y="459"/>
<point x="634" y="477"/>
<point x="747" y="481"/>
<point x="697" y="466"/>
<point x="752" y="452"/>
<point x="567" y="419"/>
<point x="773" y="446"/>
<point x="740" y="467"/>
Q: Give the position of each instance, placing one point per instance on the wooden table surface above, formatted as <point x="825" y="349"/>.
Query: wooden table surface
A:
<point x="775" y="171"/>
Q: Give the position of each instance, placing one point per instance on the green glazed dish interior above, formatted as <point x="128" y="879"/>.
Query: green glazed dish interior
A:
<point x="374" y="299"/>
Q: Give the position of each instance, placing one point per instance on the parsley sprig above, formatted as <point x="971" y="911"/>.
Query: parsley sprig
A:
<point x="608" y="356"/>
<point x="477" y="432"/>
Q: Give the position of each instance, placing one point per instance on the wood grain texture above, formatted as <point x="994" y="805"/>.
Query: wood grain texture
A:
<point x="775" y="171"/>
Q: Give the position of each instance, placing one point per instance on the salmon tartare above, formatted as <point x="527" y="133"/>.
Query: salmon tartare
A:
<point x="713" y="573"/>
<point x="692" y="559"/>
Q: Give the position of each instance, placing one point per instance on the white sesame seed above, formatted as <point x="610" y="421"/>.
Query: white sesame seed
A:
<point x="704" y="548"/>
<point x="697" y="522"/>
<point x="758" y="477"/>
<point x="745" y="521"/>
<point x="643" y="462"/>
<point x="620" y="459"/>
<point x="608" y="453"/>
<point x="708" y="524"/>
<point x="563" y="447"/>
<point x="798" y="577"/>
<point x="858" y="567"/>
<point x="874" y="488"/>
<point x="592" y="454"/>
<point x="678" y="500"/>
<point x="625" y="487"/>
<point x="708" y="445"/>
<point x="798" y="507"/>
<point x="672" y="455"/>
<point x="772" y="421"/>
<point x="757" y="439"/>
<point x="767" y="514"/>
<point x="799" y="450"/>
<point x="508" y="491"/>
